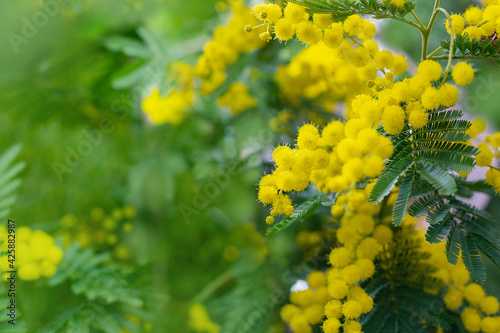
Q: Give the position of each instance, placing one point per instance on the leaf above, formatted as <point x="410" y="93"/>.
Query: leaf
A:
<point x="490" y="251"/>
<point x="300" y="212"/>
<point x="419" y="207"/>
<point x="453" y="243"/>
<point x="472" y="259"/>
<point x="386" y="182"/>
<point x="462" y="206"/>
<point x="435" y="233"/>
<point x="437" y="212"/>
<point x="401" y="204"/>
<point x="439" y="178"/>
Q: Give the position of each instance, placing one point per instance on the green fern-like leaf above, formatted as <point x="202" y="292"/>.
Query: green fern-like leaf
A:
<point x="401" y="204"/>
<point x="465" y="47"/>
<point x="436" y="233"/>
<point x="343" y="9"/>
<point x="300" y="213"/>
<point x="94" y="276"/>
<point x="453" y="244"/>
<point x="439" y="178"/>
<point x="472" y="259"/>
<point x="386" y="182"/>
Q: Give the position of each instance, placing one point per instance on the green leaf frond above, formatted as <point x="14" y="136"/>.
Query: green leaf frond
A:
<point x="473" y="49"/>
<point x="96" y="277"/>
<point x="300" y="212"/>
<point x="401" y="303"/>
<point x="343" y="9"/>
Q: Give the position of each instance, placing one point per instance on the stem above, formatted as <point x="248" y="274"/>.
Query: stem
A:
<point x="452" y="44"/>
<point x="433" y="53"/>
<point x="417" y="19"/>
<point x="426" y="32"/>
<point x="353" y="40"/>
<point x="464" y="58"/>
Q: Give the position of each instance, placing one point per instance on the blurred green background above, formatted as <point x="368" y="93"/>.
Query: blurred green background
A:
<point x="70" y="76"/>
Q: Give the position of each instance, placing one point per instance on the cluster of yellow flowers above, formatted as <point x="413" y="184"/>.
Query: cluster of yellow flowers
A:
<point x="100" y="230"/>
<point x="335" y="160"/>
<point x="337" y="294"/>
<point x="308" y="305"/>
<point x="477" y="23"/>
<point x="173" y="108"/>
<point x="199" y="320"/>
<point x="35" y="254"/>
<point x="237" y="98"/>
<point x="229" y="43"/>
<point x="478" y="313"/>
<point x="488" y="150"/>
<point x="344" y="61"/>
<point x="341" y="60"/>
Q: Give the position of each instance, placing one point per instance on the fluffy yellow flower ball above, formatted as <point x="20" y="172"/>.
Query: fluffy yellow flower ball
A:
<point x="283" y="29"/>
<point x="485" y="156"/>
<point x="333" y="309"/>
<point x="351" y="274"/>
<point x="352" y="309"/>
<point x="477" y="127"/>
<point x="338" y="289"/>
<point x="393" y="119"/>
<point x="457" y="23"/>
<point x="463" y="74"/>
<point x="473" y="15"/>
<point x="453" y="298"/>
<point x="288" y="312"/>
<point x="366" y="267"/>
<point x="306" y="32"/>
<point x="489" y="305"/>
<point x="369" y="248"/>
<point x="471" y="319"/>
<point x="331" y="325"/>
<point x="295" y="13"/>
<point x="316" y="279"/>
<point x="300" y="324"/>
<point x="341" y="257"/>
<point x="474" y="293"/>
<point x="430" y="70"/>
<point x="268" y="12"/>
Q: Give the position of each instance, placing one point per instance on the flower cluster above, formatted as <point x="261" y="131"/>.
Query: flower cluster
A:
<point x="307" y="306"/>
<point x="334" y="160"/>
<point x="237" y="98"/>
<point x="361" y="238"/>
<point x="341" y="59"/>
<point x="344" y="62"/>
<point x="488" y="146"/>
<point x="477" y="310"/>
<point x="229" y="42"/>
<point x="409" y="100"/>
<point x="36" y="255"/>
<point x="477" y="23"/>
<point x="99" y="230"/>
<point x="173" y="108"/>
